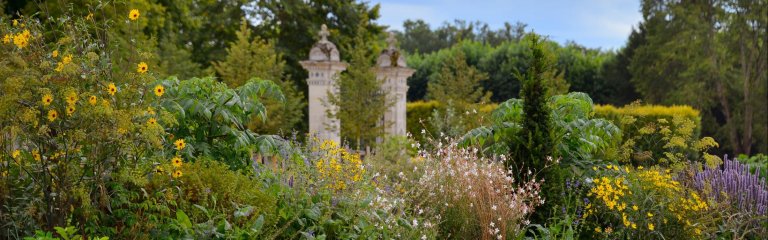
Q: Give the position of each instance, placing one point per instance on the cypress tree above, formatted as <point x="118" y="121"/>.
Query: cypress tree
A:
<point x="537" y="142"/>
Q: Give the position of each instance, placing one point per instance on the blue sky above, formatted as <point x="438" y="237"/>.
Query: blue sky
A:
<point x="592" y="23"/>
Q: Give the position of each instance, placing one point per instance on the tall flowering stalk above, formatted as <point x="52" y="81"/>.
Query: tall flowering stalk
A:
<point x="733" y="183"/>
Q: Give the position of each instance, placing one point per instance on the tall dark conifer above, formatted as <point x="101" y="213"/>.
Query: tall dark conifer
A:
<point x="536" y="126"/>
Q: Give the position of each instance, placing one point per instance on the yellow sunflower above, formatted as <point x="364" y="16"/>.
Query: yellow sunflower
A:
<point x="71" y="98"/>
<point x="159" y="90"/>
<point x="134" y="14"/>
<point x="180" y="144"/>
<point x="142" y="67"/>
<point x="55" y="53"/>
<point x="112" y="89"/>
<point x="176" y="161"/>
<point x="177" y="174"/>
<point x="92" y="100"/>
<point x="52" y="115"/>
<point x="47" y="99"/>
<point x="70" y="110"/>
<point x="151" y="121"/>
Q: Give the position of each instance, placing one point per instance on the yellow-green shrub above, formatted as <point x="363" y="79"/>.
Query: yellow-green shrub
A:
<point x="654" y="134"/>
<point x="419" y="111"/>
<point x="212" y="185"/>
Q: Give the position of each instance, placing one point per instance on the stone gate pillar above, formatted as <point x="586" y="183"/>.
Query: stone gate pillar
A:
<point x="393" y="72"/>
<point x="323" y="67"/>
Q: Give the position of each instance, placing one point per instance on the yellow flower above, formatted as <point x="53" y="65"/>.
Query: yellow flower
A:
<point x="112" y="89"/>
<point x="7" y="38"/>
<point x="608" y="230"/>
<point x="67" y="59"/>
<point x="634" y="207"/>
<point x="47" y="99"/>
<point x="92" y="100"/>
<point x="55" y="53"/>
<point x="180" y="144"/>
<point x="150" y="111"/>
<point x="159" y="169"/>
<point x="52" y="115"/>
<point x="177" y="174"/>
<point x="36" y="155"/>
<point x="22" y="39"/>
<point x="70" y="110"/>
<point x="639" y="167"/>
<point x="142" y="67"/>
<point x="176" y="161"/>
<point x="15" y="22"/>
<point x="634" y="226"/>
<point x="651" y="227"/>
<point x="650" y="214"/>
<point x="71" y="98"/>
<point x="598" y="230"/>
<point x="89" y="16"/>
<point x="151" y="121"/>
<point x="159" y="90"/>
<point x="16" y="154"/>
<point x="134" y="14"/>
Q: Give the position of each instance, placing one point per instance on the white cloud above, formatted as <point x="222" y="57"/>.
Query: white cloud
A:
<point x="394" y="14"/>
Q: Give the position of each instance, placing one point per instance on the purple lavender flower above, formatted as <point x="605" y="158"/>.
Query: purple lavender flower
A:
<point x="734" y="183"/>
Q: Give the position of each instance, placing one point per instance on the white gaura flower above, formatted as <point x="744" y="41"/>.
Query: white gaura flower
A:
<point x="493" y="207"/>
<point x="415" y="223"/>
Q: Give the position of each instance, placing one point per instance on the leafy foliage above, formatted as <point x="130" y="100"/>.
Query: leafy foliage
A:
<point x="579" y="138"/>
<point x="257" y="58"/>
<point x="213" y="118"/>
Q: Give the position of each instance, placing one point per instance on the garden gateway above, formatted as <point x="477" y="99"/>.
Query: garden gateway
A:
<point x="324" y="67"/>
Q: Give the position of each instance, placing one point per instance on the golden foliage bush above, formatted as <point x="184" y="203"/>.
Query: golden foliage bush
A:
<point x="654" y="134"/>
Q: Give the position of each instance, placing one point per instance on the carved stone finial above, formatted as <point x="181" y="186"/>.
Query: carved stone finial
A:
<point x="391" y="40"/>
<point x="323" y="33"/>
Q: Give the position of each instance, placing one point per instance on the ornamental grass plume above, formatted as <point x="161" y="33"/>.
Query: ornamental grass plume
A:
<point x="733" y="183"/>
<point x="468" y="196"/>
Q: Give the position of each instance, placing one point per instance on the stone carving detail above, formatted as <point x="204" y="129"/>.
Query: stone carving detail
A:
<point x="324" y="50"/>
<point x="391" y="56"/>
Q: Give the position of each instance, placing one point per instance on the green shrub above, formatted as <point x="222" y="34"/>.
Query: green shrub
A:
<point x="213" y="118"/>
<point x="580" y="139"/>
